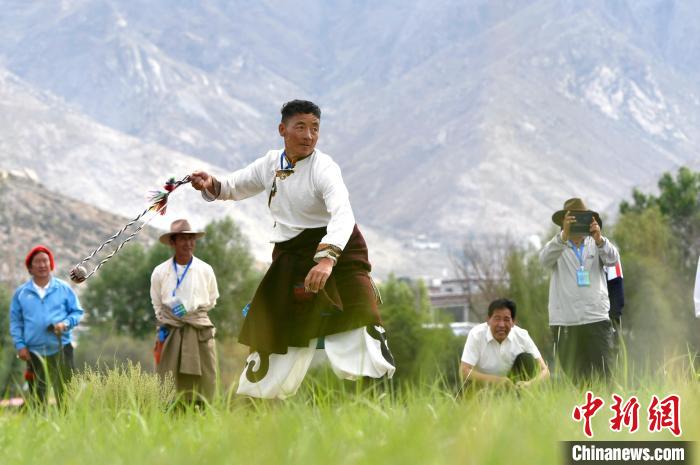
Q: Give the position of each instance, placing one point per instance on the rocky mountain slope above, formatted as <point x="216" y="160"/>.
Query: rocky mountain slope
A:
<point x="30" y="215"/>
<point x="451" y="120"/>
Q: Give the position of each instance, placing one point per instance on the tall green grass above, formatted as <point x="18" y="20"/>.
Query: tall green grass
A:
<point x="126" y="416"/>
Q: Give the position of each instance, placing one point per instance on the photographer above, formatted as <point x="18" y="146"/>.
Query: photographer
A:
<point x="578" y="293"/>
<point x="43" y="312"/>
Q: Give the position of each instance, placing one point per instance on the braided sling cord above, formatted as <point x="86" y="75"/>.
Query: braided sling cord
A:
<point x="158" y="205"/>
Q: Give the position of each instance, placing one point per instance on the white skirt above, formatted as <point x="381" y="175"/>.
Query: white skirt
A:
<point x="352" y="354"/>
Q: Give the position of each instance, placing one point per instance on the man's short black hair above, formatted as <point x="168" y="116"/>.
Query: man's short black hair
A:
<point x="502" y="303"/>
<point x="295" y="107"/>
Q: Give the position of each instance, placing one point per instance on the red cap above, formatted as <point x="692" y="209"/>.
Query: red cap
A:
<point x="36" y="250"/>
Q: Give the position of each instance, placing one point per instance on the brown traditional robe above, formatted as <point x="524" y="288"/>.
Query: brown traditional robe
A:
<point x="281" y="315"/>
<point x="189" y="356"/>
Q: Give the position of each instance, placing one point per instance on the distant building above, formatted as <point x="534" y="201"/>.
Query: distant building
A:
<point x="450" y="298"/>
<point x="460" y="328"/>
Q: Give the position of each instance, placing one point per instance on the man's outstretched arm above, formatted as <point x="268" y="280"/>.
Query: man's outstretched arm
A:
<point x="240" y="185"/>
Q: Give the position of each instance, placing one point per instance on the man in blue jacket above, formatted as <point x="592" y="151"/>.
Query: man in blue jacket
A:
<point x="43" y="312"/>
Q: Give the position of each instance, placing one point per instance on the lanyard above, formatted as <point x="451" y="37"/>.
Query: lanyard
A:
<point x="181" y="278"/>
<point x="578" y="251"/>
<point x="282" y="173"/>
<point x="282" y="160"/>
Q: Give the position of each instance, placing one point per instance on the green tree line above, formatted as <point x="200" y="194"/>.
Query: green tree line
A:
<point x="422" y="352"/>
<point x="658" y="236"/>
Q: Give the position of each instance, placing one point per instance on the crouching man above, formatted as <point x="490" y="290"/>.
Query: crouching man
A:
<point x="498" y="352"/>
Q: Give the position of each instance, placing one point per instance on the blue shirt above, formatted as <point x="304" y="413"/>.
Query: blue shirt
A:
<point x="30" y="316"/>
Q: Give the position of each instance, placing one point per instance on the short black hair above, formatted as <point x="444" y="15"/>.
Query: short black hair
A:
<point x="295" y="107"/>
<point x="502" y="303"/>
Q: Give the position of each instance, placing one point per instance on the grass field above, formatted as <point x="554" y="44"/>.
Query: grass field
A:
<point x="123" y="418"/>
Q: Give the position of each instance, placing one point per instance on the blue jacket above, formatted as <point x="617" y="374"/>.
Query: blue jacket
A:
<point x="30" y="316"/>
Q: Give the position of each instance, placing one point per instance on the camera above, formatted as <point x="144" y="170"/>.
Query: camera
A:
<point x="583" y="223"/>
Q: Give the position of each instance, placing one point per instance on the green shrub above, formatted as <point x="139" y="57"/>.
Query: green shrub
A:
<point x="124" y="387"/>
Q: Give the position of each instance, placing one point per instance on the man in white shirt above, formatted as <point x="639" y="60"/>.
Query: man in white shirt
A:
<point x="499" y="353"/>
<point x="317" y="293"/>
<point x="183" y="291"/>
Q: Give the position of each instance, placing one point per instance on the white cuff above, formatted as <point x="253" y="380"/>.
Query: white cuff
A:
<point x="559" y="239"/>
<point x="206" y="195"/>
<point x="325" y="254"/>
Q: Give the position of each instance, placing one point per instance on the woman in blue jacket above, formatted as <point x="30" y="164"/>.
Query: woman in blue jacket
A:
<point x="43" y="312"/>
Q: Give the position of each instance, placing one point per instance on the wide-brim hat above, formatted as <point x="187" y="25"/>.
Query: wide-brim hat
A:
<point x="574" y="205"/>
<point x="181" y="226"/>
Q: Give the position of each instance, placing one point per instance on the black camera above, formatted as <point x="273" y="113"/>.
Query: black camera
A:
<point x="583" y="223"/>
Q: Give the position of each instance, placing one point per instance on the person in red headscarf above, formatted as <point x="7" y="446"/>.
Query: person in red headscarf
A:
<point x="43" y="312"/>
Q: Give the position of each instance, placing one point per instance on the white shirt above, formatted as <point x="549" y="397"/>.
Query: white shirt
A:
<point x="697" y="292"/>
<point x="484" y="353"/>
<point x="41" y="290"/>
<point x="198" y="291"/>
<point x="314" y="196"/>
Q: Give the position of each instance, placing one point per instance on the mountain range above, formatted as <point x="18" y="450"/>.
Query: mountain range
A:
<point x="452" y="120"/>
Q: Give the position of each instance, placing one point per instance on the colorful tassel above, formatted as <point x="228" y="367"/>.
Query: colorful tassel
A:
<point x="159" y="199"/>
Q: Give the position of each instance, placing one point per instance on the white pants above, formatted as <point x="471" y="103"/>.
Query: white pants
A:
<point x="352" y="354"/>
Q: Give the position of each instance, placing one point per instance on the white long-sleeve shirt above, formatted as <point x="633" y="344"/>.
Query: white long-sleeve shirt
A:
<point x="569" y="304"/>
<point x="697" y="292"/>
<point x="198" y="291"/>
<point x="314" y="196"/>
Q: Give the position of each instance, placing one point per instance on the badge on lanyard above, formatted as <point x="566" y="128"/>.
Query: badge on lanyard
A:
<point x="177" y="306"/>
<point x="583" y="276"/>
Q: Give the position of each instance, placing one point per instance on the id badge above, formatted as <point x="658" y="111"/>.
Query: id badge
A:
<point x="178" y="307"/>
<point x="583" y="278"/>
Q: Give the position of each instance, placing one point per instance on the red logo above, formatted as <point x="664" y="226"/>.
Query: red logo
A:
<point x="626" y="415"/>
<point x="586" y="411"/>
<point x="665" y="413"/>
<point x="662" y="414"/>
